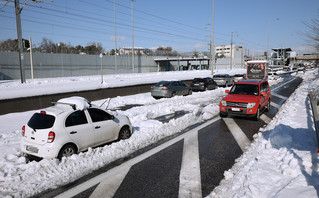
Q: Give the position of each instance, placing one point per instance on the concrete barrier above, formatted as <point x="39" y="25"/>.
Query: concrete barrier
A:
<point x="38" y="102"/>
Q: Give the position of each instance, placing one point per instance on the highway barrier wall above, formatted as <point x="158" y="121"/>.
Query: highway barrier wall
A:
<point x="38" y="102"/>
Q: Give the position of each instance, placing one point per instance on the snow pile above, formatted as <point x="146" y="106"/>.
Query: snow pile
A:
<point x="282" y="161"/>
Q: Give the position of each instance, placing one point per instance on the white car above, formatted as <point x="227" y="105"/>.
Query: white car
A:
<point x="273" y="76"/>
<point x="71" y="126"/>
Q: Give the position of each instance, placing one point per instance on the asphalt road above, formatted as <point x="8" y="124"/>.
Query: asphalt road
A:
<point x="189" y="165"/>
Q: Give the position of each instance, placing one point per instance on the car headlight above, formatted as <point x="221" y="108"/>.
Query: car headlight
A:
<point x="224" y="103"/>
<point x="251" y="105"/>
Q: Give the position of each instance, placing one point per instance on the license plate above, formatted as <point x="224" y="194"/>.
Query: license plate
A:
<point x="32" y="149"/>
<point x="235" y="109"/>
<point x="196" y="84"/>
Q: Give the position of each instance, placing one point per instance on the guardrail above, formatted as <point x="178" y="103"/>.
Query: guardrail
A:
<point x="314" y="101"/>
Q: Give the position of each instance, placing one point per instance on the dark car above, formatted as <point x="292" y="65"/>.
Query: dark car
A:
<point x="167" y="89"/>
<point x="203" y="84"/>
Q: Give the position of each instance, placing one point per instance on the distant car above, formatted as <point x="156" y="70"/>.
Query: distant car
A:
<point x="167" y="89"/>
<point x="71" y="126"/>
<point x="203" y="84"/>
<point x="223" y="80"/>
<point x="246" y="98"/>
<point x="239" y="77"/>
<point x="273" y="76"/>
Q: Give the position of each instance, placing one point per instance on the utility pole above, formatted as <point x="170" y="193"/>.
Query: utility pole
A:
<point x="132" y="36"/>
<point x="31" y="58"/>
<point x="19" y="33"/>
<point x="115" y="62"/>
<point x="231" y="51"/>
<point x="212" y="55"/>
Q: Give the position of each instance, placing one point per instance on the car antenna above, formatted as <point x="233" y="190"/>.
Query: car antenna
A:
<point x="109" y="99"/>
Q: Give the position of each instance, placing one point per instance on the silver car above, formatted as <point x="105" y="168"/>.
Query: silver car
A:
<point x="167" y="89"/>
<point x="223" y="80"/>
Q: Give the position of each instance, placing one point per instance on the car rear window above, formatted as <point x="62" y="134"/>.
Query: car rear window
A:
<point x="41" y="121"/>
<point x="198" y="80"/>
<point x="162" y="83"/>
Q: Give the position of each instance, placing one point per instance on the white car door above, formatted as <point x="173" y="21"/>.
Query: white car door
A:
<point x="106" y="127"/>
<point x="79" y="130"/>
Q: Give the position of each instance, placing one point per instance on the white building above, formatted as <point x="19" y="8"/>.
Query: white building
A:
<point x="224" y="50"/>
<point x="128" y="50"/>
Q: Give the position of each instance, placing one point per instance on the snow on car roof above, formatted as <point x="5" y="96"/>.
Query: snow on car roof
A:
<point x="79" y="102"/>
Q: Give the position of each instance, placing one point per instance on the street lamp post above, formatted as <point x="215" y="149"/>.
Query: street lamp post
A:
<point x="277" y="19"/>
<point x="212" y="55"/>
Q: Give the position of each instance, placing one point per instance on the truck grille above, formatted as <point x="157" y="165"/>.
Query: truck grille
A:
<point x="237" y="104"/>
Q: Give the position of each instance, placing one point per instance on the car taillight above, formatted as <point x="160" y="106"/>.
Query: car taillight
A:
<point x="43" y="112"/>
<point x="165" y="88"/>
<point x="51" y="137"/>
<point x="23" y="130"/>
<point x="202" y="83"/>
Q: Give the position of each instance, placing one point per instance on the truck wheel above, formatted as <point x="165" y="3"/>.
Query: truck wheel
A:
<point x="257" y="115"/>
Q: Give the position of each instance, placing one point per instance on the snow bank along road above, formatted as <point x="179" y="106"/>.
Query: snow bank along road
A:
<point x="188" y="165"/>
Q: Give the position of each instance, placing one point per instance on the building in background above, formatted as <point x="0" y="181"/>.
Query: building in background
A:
<point x="128" y="50"/>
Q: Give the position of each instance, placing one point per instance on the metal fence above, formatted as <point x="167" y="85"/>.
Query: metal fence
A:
<point x="314" y="101"/>
<point x="68" y="65"/>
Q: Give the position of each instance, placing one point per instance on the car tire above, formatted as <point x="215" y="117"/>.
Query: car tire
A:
<point x="124" y="133"/>
<point x="206" y="88"/>
<point x="66" y="151"/>
<point x="257" y="115"/>
<point x="268" y="105"/>
<point x="173" y="94"/>
<point x="222" y="115"/>
<point x="190" y="92"/>
<point x="226" y="84"/>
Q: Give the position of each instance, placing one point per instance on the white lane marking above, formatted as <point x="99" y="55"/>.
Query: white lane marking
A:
<point x="279" y="96"/>
<point x="116" y="170"/>
<point x="273" y="90"/>
<point x="265" y="118"/>
<point x="109" y="186"/>
<point x="190" y="178"/>
<point x="275" y="105"/>
<point x="238" y="134"/>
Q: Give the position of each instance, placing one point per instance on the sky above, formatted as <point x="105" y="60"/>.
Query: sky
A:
<point x="183" y="25"/>
<point x="280" y="162"/>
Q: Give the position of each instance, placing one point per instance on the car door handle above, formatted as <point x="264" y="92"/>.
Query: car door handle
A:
<point x="97" y="127"/>
<point x="73" y="132"/>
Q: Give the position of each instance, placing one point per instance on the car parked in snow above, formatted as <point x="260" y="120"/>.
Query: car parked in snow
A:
<point x="203" y="84"/>
<point x="246" y="98"/>
<point x="223" y="79"/>
<point x="167" y="89"/>
<point x="273" y="76"/>
<point x="239" y="77"/>
<point x="71" y="126"/>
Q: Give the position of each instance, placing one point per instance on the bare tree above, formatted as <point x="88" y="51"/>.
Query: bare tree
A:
<point x="312" y="32"/>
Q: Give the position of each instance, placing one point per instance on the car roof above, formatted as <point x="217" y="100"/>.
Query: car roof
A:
<point x="251" y="81"/>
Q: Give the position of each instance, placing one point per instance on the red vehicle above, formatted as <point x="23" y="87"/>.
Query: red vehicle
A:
<point x="246" y="98"/>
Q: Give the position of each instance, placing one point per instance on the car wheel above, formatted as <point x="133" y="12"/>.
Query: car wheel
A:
<point x="173" y="94"/>
<point x="206" y="88"/>
<point x="125" y="133"/>
<point x="190" y="92"/>
<point x="226" y="85"/>
<point x="66" y="151"/>
<point x="257" y="115"/>
<point x="268" y="105"/>
<point x="222" y="115"/>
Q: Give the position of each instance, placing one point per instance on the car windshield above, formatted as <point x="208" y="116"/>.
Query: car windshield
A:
<point x="239" y="75"/>
<point x="245" y="89"/>
<point x="162" y="84"/>
<point x="41" y="121"/>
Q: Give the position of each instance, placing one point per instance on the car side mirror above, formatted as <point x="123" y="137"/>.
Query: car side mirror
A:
<point x="263" y="93"/>
<point x="112" y="117"/>
<point x="227" y="91"/>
